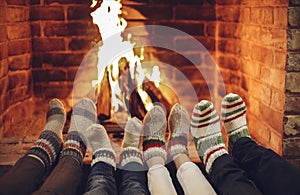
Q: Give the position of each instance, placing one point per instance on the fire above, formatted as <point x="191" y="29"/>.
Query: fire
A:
<point x="114" y="48"/>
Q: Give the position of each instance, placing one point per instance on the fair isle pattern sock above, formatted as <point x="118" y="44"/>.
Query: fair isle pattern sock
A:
<point x="234" y="118"/>
<point x="131" y="154"/>
<point x="179" y="123"/>
<point x="46" y="149"/>
<point x="74" y="146"/>
<point x="155" y="125"/>
<point x="100" y="143"/>
<point x="206" y="131"/>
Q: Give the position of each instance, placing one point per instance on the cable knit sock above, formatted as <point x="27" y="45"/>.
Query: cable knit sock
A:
<point x="179" y="123"/>
<point x="83" y="116"/>
<point x="155" y="125"/>
<point x="100" y="143"/>
<point x="206" y="131"/>
<point x="234" y="118"/>
<point x="46" y="149"/>
<point x="131" y="142"/>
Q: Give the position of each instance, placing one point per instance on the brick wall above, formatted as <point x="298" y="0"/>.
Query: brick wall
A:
<point x="62" y="33"/>
<point x="16" y="98"/>
<point x="291" y="140"/>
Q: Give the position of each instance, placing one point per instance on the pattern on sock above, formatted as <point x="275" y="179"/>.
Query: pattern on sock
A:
<point x="206" y="131"/>
<point x="155" y="126"/>
<point x="106" y="155"/>
<point x="74" y="146"/>
<point x="46" y="148"/>
<point x="234" y="117"/>
<point x="131" y="154"/>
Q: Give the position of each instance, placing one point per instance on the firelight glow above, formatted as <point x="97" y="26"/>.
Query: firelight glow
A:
<point x="114" y="48"/>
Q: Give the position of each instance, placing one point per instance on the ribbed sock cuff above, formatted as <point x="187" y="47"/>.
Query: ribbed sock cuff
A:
<point x="177" y="145"/>
<point x="104" y="155"/>
<point x="212" y="154"/>
<point x="153" y="148"/>
<point x="74" y="146"/>
<point x="46" y="148"/>
<point x="131" y="154"/>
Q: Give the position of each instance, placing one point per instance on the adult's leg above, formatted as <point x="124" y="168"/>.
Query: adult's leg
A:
<point x="28" y="173"/>
<point x="188" y="174"/>
<point x="102" y="177"/>
<point x="271" y="173"/>
<point x="66" y="176"/>
<point x="133" y="172"/>
<point x="225" y="174"/>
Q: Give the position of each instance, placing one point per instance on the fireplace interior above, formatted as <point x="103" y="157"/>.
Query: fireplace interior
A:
<point x="252" y="48"/>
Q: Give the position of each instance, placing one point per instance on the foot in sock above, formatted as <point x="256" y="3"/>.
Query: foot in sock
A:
<point x="131" y="142"/>
<point x="155" y="125"/>
<point x="46" y="149"/>
<point x="179" y="124"/>
<point x="99" y="141"/>
<point x="234" y="118"/>
<point x="206" y="131"/>
<point x="83" y="116"/>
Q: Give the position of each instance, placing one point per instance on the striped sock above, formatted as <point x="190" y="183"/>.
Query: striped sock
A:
<point x="234" y="118"/>
<point x="84" y="115"/>
<point x="98" y="139"/>
<point x="179" y="124"/>
<point x="46" y="149"/>
<point x="131" y="142"/>
<point x="155" y="125"/>
<point x="206" y="131"/>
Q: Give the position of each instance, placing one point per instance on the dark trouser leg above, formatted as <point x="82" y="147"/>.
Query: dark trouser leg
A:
<point x="64" y="179"/>
<point x="134" y="180"/>
<point x="24" y="177"/>
<point x="270" y="172"/>
<point x="228" y="178"/>
<point x="102" y="180"/>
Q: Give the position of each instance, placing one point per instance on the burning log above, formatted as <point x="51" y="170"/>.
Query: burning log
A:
<point x="104" y="99"/>
<point x="136" y="105"/>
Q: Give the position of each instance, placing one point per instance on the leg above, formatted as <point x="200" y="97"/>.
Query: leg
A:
<point x="259" y="163"/>
<point x="102" y="177"/>
<point x="188" y="174"/>
<point x="28" y="173"/>
<point x="66" y="176"/>
<point x="134" y="178"/>
<point x="225" y="175"/>
<point x="155" y="124"/>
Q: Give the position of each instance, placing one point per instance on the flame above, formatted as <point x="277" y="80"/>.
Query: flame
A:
<point x="111" y="24"/>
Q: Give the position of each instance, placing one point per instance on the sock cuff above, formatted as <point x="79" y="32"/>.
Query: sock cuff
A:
<point x="47" y="147"/>
<point x="106" y="155"/>
<point x="131" y="154"/>
<point x="212" y="156"/>
<point x="177" y="145"/>
<point x="74" y="146"/>
<point x="155" y="151"/>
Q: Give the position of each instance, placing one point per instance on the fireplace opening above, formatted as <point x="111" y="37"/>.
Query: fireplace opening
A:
<point x="48" y="47"/>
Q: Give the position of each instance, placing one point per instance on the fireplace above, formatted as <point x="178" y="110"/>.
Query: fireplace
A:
<point x="251" y="48"/>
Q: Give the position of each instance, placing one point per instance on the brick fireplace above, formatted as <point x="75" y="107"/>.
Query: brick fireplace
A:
<point x="255" y="45"/>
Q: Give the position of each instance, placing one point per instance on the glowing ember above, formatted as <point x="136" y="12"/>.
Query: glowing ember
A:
<point x="113" y="50"/>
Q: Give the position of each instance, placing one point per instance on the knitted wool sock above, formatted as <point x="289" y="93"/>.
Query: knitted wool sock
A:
<point x="131" y="142"/>
<point x="155" y="125"/>
<point x="234" y="118"/>
<point x="179" y="123"/>
<point x="47" y="147"/>
<point x="206" y="131"/>
<point x="100" y="143"/>
<point x="83" y="116"/>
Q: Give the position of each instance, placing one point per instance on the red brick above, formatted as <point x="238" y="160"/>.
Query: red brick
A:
<point x="16" y="2"/>
<point x="271" y="117"/>
<point x="140" y="12"/>
<point x="34" y="2"/>
<point x="191" y="44"/>
<point x="245" y="15"/>
<point x="80" y="44"/>
<point x="210" y="29"/>
<point x="261" y="54"/>
<point x="57" y="91"/>
<point x="230" y="30"/>
<point x="78" y="12"/>
<point x="48" y="44"/>
<point x="46" y="13"/>
<point x="71" y="74"/>
<point x="262" y="16"/>
<point x="18" y="47"/>
<point x="22" y="111"/>
<point x="3" y="85"/>
<point x="245" y="82"/>
<point x="192" y="12"/>
<point x="258" y="130"/>
<point x="19" y="78"/>
<point x="3" y="33"/>
<point x="280" y="59"/>
<point x="230" y="77"/>
<point x="65" y="29"/>
<point x="229" y="2"/>
<point x="3" y="51"/>
<point x="189" y="73"/>
<point x="35" y="29"/>
<point x="202" y="90"/>
<point x="20" y="62"/>
<point x="3" y="15"/>
<point x="273" y="77"/>
<point x="17" y="14"/>
<point x="280" y="15"/>
<point x="229" y="62"/>
<point x="62" y="60"/>
<point x="260" y="92"/>
<point x="278" y="100"/>
<point x="192" y="28"/>
<point x="3" y="68"/>
<point x="49" y="75"/>
<point x="88" y="2"/>
<point x="175" y="59"/>
<point x="18" y="30"/>
<point x="276" y="142"/>
<point x="19" y="94"/>
<point x="227" y="46"/>
<point x="228" y="14"/>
